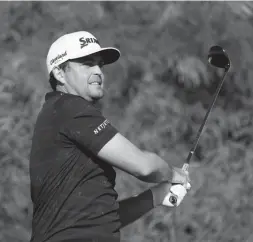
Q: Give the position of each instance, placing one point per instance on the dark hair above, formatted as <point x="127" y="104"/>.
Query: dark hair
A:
<point x="52" y="80"/>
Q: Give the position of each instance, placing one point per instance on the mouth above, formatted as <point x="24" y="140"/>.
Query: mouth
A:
<point x="96" y="81"/>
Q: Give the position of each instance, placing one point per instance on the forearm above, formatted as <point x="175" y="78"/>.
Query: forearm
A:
<point x="159" y="170"/>
<point x="133" y="208"/>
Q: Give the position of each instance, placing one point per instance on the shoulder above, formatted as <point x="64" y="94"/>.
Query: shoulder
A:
<point x="75" y="106"/>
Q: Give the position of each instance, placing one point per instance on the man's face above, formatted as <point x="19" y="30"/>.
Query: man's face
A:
<point x="84" y="77"/>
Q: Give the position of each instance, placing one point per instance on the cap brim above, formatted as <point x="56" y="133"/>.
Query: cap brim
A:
<point x="109" y="55"/>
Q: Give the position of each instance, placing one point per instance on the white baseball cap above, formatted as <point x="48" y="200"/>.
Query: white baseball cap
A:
<point x="76" y="45"/>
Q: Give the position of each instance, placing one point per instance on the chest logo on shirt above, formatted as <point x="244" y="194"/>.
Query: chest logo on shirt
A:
<point x="101" y="127"/>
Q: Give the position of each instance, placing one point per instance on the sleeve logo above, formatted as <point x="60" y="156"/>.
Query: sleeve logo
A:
<point x="101" y="127"/>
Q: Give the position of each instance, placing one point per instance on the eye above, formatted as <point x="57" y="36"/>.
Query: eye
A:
<point x="91" y="63"/>
<point x="101" y="63"/>
<point x="88" y="63"/>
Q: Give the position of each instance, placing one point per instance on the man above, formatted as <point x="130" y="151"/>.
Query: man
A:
<point x="75" y="148"/>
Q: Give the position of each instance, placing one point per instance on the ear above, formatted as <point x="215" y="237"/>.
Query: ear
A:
<point x="59" y="75"/>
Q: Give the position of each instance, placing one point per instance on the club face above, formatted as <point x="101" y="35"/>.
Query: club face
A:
<point x="218" y="57"/>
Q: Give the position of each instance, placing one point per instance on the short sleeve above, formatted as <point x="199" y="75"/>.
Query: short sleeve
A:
<point x="89" y="129"/>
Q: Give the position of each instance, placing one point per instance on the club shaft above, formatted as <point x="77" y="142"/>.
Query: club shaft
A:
<point x="192" y="151"/>
<point x="186" y="164"/>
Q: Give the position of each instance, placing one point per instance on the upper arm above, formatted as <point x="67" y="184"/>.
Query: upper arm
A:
<point x="88" y="129"/>
<point x="94" y="133"/>
<point x="123" y="154"/>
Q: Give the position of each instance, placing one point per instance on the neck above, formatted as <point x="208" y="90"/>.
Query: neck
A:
<point x="71" y="91"/>
<point x="64" y="89"/>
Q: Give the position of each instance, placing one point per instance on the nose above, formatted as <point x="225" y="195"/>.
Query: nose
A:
<point x="97" y="69"/>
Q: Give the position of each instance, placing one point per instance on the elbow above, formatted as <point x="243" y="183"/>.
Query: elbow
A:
<point x="146" y="172"/>
<point x="149" y="166"/>
<point x="155" y="169"/>
<point x="143" y="175"/>
<point x="148" y="176"/>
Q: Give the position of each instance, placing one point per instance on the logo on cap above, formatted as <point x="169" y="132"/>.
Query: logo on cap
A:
<point x="58" y="58"/>
<point x="85" y="41"/>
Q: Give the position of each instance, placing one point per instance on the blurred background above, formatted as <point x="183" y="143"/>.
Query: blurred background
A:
<point x="157" y="95"/>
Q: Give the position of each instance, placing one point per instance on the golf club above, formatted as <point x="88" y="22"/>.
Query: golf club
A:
<point x="217" y="57"/>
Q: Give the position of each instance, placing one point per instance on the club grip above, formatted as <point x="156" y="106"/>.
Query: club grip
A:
<point x="185" y="167"/>
<point x="173" y="198"/>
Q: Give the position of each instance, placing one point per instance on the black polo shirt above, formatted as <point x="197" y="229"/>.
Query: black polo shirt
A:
<point x="71" y="188"/>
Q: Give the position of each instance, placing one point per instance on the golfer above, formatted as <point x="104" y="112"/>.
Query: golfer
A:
<point x="75" y="149"/>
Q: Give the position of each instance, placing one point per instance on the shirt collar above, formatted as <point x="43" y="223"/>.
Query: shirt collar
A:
<point x="55" y="94"/>
<point x="52" y="94"/>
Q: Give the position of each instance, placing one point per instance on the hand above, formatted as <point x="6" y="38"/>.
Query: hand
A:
<point x="176" y="190"/>
<point x="161" y="190"/>
<point x="180" y="177"/>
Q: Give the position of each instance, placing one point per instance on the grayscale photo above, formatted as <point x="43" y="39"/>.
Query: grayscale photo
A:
<point x="126" y="121"/>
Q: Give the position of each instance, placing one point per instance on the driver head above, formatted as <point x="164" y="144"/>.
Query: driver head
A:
<point x="218" y="57"/>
